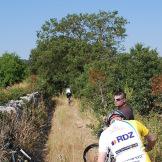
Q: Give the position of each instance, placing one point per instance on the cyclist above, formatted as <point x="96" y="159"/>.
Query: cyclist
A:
<point x="68" y="94"/>
<point x="123" y="138"/>
<point x="120" y="102"/>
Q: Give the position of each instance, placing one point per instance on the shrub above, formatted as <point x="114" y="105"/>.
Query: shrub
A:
<point x="153" y="122"/>
<point x="12" y="69"/>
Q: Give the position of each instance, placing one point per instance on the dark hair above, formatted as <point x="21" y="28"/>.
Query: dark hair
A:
<point x="120" y="92"/>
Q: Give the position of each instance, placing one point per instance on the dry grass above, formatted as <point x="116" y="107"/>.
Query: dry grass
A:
<point x="25" y="131"/>
<point x="69" y="134"/>
<point x="153" y="122"/>
<point x="20" y="133"/>
<point x="29" y="83"/>
<point x="23" y="85"/>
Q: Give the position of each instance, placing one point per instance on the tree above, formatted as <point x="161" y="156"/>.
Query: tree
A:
<point x="137" y="69"/>
<point x="12" y="69"/>
<point x="136" y="72"/>
<point x="104" y="28"/>
<point x="65" y="47"/>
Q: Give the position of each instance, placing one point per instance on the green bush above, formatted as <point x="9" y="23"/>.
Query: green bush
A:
<point x="15" y="93"/>
<point x="12" y="94"/>
<point x="12" y="69"/>
<point x="3" y="98"/>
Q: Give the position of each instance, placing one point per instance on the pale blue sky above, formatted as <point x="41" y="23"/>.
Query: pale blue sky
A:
<point x="20" y="19"/>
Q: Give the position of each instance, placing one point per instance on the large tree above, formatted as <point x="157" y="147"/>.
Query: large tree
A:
<point x="104" y="28"/>
<point x="66" y="46"/>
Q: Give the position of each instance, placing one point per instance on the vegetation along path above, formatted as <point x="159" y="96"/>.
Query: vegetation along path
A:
<point x="69" y="133"/>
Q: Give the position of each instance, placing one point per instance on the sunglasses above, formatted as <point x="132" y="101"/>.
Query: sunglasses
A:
<point x="118" y="99"/>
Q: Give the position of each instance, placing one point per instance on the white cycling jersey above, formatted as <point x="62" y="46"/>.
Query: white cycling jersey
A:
<point x="124" y="139"/>
<point x="68" y="90"/>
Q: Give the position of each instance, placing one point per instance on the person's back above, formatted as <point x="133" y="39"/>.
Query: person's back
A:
<point x="123" y="139"/>
<point x="68" y="90"/>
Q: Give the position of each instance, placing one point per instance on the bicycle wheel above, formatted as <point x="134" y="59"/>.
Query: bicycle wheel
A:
<point x="90" y="153"/>
<point x="69" y="100"/>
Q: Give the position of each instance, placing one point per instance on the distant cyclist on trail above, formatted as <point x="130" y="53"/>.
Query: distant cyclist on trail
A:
<point x="124" y="139"/>
<point x="68" y="94"/>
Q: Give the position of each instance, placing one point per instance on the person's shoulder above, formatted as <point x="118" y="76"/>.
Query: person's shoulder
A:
<point x="128" y="106"/>
<point x="127" y="111"/>
<point x="108" y="129"/>
<point x="137" y="124"/>
<point x="136" y="121"/>
<point x="68" y="89"/>
<point x="133" y="121"/>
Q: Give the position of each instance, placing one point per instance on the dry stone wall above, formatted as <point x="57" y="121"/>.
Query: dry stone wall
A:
<point x="17" y="105"/>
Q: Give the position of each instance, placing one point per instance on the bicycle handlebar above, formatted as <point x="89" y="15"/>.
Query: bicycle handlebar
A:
<point x="25" y="154"/>
<point x="13" y="150"/>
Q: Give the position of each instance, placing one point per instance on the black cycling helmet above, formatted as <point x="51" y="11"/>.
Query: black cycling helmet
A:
<point x="115" y="112"/>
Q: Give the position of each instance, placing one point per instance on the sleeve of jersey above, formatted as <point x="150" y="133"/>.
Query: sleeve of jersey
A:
<point x="142" y="129"/>
<point x="103" y="143"/>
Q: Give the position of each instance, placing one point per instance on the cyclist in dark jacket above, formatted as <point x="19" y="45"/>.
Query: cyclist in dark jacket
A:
<point x="120" y="102"/>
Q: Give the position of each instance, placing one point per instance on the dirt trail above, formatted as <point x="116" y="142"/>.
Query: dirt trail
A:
<point x="69" y="133"/>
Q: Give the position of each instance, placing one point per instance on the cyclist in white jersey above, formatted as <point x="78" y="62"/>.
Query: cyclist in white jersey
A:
<point x="68" y="94"/>
<point x="124" y="139"/>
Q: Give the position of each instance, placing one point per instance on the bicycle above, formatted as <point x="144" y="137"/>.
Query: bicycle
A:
<point x="69" y="100"/>
<point x="19" y="155"/>
<point x="16" y="154"/>
<point x="90" y="154"/>
<point x="69" y="97"/>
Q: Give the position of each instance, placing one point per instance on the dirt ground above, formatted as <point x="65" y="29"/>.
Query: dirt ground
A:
<point x="69" y="134"/>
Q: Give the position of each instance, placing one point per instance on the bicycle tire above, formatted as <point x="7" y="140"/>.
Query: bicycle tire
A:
<point x="90" y="153"/>
<point x="94" y="149"/>
<point x="69" y="100"/>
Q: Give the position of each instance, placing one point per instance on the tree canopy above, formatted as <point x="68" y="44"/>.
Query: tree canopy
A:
<point x="66" y="46"/>
<point x="84" y="51"/>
